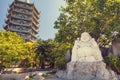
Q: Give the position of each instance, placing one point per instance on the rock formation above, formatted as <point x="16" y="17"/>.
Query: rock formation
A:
<point x="116" y="47"/>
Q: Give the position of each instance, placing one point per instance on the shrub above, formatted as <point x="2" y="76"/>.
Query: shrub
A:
<point x="113" y="62"/>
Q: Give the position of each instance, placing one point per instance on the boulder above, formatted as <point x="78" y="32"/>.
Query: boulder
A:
<point x="68" y="56"/>
<point x="116" y="47"/>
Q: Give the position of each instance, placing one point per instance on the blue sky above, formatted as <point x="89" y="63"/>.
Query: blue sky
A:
<point x="49" y="12"/>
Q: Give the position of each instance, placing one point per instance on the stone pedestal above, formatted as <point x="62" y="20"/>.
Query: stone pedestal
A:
<point x="87" y="71"/>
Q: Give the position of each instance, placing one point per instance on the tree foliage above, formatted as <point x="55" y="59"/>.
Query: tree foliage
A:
<point x="113" y="62"/>
<point x="100" y="18"/>
<point x="60" y="52"/>
<point x="45" y="53"/>
<point x="51" y="54"/>
<point x="13" y="49"/>
<point x="29" y="58"/>
<point x="11" y="46"/>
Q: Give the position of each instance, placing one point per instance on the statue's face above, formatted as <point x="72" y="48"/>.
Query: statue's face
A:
<point x="85" y="37"/>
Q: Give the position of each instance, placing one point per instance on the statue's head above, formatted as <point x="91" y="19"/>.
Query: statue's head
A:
<point x="85" y="37"/>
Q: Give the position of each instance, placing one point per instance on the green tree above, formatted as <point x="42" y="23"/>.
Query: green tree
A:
<point x="100" y="18"/>
<point x="14" y="50"/>
<point x="11" y="48"/>
<point x="52" y="54"/>
<point x="29" y="58"/>
<point x="60" y="52"/>
<point x="45" y="52"/>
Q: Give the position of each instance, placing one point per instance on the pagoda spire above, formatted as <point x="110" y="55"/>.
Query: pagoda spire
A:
<point x="27" y="1"/>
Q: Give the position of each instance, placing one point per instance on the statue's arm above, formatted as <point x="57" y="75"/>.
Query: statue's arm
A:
<point x="95" y="45"/>
<point x="98" y="52"/>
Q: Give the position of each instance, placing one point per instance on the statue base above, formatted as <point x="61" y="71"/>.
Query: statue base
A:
<point x="87" y="71"/>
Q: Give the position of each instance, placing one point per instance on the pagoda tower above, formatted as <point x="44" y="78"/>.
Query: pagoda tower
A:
<point x="23" y="18"/>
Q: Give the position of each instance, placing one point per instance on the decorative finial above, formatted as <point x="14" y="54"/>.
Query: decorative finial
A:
<point x="27" y="1"/>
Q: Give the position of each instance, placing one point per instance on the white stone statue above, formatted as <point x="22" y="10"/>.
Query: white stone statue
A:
<point x="86" y="49"/>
